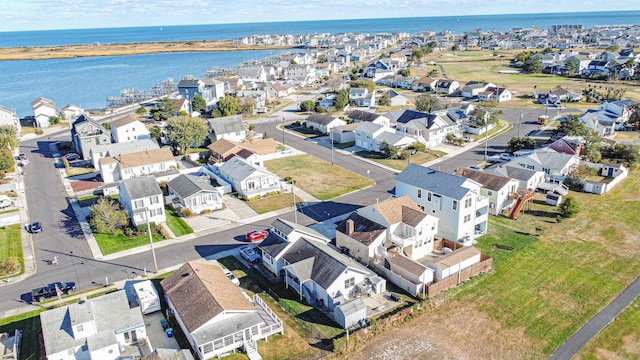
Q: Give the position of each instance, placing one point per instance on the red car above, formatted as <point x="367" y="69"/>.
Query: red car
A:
<point x="256" y="235"/>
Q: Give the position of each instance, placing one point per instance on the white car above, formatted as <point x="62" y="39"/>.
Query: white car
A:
<point x="249" y="254"/>
<point x="231" y="277"/>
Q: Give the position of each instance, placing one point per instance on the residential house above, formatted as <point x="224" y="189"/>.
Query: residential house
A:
<point x="98" y="328"/>
<point x="429" y="129"/>
<point x="455" y="200"/>
<point x="473" y="88"/>
<point x="86" y="134"/>
<point x="142" y="198"/>
<point x="279" y="90"/>
<point x="227" y="127"/>
<point x="528" y="179"/>
<point x="582" y="61"/>
<point x="215" y="316"/>
<point x="424" y="84"/>
<point x="128" y="128"/>
<point x="556" y="166"/>
<point x="43" y="109"/>
<point x="126" y="166"/>
<point x="254" y="74"/>
<point x="195" y="193"/>
<point x="403" y="82"/>
<point x="565" y="95"/>
<point x="248" y="180"/>
<point x="304" y="74"/>
<point x="495" y="93"/>
<point x="378" y="70"/>
<point x="115" y="149"/>
<point x="620" y="108"/>
<point x="498" y="189"/>
<point x="321" y="275"/>
<point x="370" y="136"/>
<point x="327" y="101"/>
<point x="8" y="116"/>
<point x="189" y="87"/>
<point x="183" y="105"/>
<point x="572" y="145"/>
<point x="364" y="116"/>
<point x="344" y="134"/>
<point x="323" y="123"/>
<point x="396" y="99"/>
<point x="70" y="112"/>
<point x="602" y="122"/>
<point x="454" y="262"/>
<point x="361" y="97"/>
<point x="223" y="150"/>
<point x="597" y="67"/>
<point x="447" y="86"/>
<point x="216" y="88"/>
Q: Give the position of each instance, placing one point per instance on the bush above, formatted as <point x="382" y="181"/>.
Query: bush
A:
<point x="128" y="232"/>
<point x="9" y="265"/>
<point x="207" y="211"/>
<point x="163" y="232"/>
<point x="569" y="207"/>
<point x="187" y="212"/>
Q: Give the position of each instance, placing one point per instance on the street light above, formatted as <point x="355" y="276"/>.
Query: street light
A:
<point x="147" y="214"/>
<point x="295" y="207"/>
<point x="331" y="136"/>
<point x="283" y="143"/>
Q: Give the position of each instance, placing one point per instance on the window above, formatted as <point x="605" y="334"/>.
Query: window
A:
<point x="84" y="348"/>
<point x="349" y="283"/>
<point x="546" y="171"/>
<point x="138" y="204"/>
<point x="467" y="203"/>
<point x="128" y="171"/>
<point x="455" y="204"/>
<point x="467" y="218"/>
<point x="79" y="328"/>
<point x="419" y="193"/>
<point x="153" y="199"/>
<point x="428" y="196"/>
<point x="489" y="192"/>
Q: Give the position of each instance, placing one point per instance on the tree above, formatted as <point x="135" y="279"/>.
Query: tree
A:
<point x="533" y="65"/>
<point x="416" y="53"/>
<point x="628" y="153"/>
<point x="142" y="110"/>
<point x="106" y="216"/>
<point x="455" y="47"/>
<point x="185" y="131"/>
<point x="613" y="48"/>
<point x="246" y="105"/>
<point x="342" y="99"/>
<point x="406" y="72"/>
<point x="322" y="59"/>
<point x="54" y="120"/>
<point x="6" y="159"/>
<point x="198" y="102"/>
<point x="167" y="108"/>
<point x="155" y="133"/>
<point x="519" y="143"/>
<point x="434" y="73"/>
<point x="367" y="83"/>
<point x="307" y="105"/>
<point x="424" y="103"/>
<point x="572" y="66"/>
<point x="8" y="136"/>
<point x="572" y="126"/>
<point x="384" y="100"/>
<point x="228" y="105"/>
<point x="569" y="207"/>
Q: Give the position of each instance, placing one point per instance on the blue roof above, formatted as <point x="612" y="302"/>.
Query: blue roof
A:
<point x="432" y="180"/>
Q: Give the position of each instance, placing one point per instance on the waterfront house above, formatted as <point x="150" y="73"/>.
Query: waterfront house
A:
<point x="195" y="193"/>
<point x="455" y="200"/>
<point x="126" y="166"/>
<point x="142" y="198"/>
<point x="249" y="180"/>
<point x="114" y="149"/>
<point x="8" y="116"/>
<point x="43" y="109"/>
<point x="215" y="316"/>
<point x="498" y="189"/>
<point x="189" y="87"/>
<point x="227" y="127"/>
<point x="98" y="328"/>
<point x="323" y="123"/>
<point x="86" y="134"/>
<point x="128" y="128"/>
<point x="71" y="112"/>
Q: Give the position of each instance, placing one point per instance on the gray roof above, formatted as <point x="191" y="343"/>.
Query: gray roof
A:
<point x="363" y="115"/>
<point x="369" y="127"/>
<point x="548" y="159"/>
<point x="273" y="244"/>
<point x="320" y="119"/>
<point x="316" y="261"/>
<point x="287" y="227"/>
<point x="184" y="83"/>
<point x="129" y="147"/>
<point x="352" y="307"/>
<point x="435" y="181"/>
<point x="86" y="118"/>
<point x="226" y="124"/>
<point x="239" y="169"/>
<point x="110" y="313"/>
<point x="187" y="185"/>
<point x="219" y="329"/>
<point x="515" y="172"/>
<point x="392" y="138"/>
<point x="141" y="187"/>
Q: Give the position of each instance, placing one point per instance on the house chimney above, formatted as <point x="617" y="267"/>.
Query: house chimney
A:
<point x="350" y="226"/>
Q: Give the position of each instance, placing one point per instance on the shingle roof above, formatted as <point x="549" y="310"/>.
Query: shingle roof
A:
<point x="140" y="158"/>
<point x="407" y="264"/>
<point x="141" y="187"/>
<point x="273" y="244"/>
<point x="43" y="101"/>
<point x="320" y="119"/>
<point x="199" y="291"/>
<point x="393" y="210"/>
<point x="187" y="185"/>
<point x="123" y="121"/>
<point x="239" y="169"/>
<point x="487" y="180"/>
<point x="363" y="115"/>
<point x="435" y="181"/>
<point x="513" y="171"/>
<point x="226" y="124"/>
<point x="222" y="146"/>
<point x="365" y="231"/>
<point x="125" y="147"/>
<point x="189" y="83"/>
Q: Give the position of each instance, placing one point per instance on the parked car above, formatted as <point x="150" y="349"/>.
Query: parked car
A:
<point x="70" y="157"/>
<point x="231" y="277"/>
<point x="503" y="157"/>
<point x="5" y="201"/>
<point x="249" y="254"/>
<point x="468" y="138"/>
<point x="476" y="168"/>
<point x="49" y="291"/>
<point x="256" y="235"/>
<point x="35" y="227"/>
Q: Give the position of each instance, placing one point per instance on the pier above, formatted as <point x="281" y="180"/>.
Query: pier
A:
<point x="132" y="96"/>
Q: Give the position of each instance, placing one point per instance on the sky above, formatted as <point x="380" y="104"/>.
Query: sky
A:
<point x="20" y="15"/>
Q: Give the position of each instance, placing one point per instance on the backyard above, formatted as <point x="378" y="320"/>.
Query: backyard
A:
<point x="10" y="248"/>
<point x="558" y="275"/>
<point x="319" y="178"/>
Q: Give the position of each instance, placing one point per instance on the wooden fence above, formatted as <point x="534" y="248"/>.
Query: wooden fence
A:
<point x="485" y="264"/>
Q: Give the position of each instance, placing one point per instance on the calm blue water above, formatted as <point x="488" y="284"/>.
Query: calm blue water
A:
<point x="88" y="81"/>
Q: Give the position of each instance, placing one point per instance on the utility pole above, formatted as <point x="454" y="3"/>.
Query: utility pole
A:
<point x="295" y="206"/>
<point x="519" y="123"/>
<point x="331" y="137"/>
<point x="153" y="250"/>
<point x="486" y="132"/>
<point x="283" y="130"/>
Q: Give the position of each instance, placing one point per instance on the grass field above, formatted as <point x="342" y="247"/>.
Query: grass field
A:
<point x="11" y="244"/>
<point x="539" y="294"/>
<point x="110" y="244"/>
<point x="272" y="203"/>
<point x="177" y="225"/>
<point x="29" y="324"/>
<point x="399" y="164"/>
<point x="73" y="171"/>
<point x="317" y="177"/>
<point x="630" y="136"/>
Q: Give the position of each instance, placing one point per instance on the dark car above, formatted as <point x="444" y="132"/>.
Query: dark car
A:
<point x="256" y="235"/>
<point x="35" y="227"/>
<point x="49" y="291"/>
<point x="71" y="157"/>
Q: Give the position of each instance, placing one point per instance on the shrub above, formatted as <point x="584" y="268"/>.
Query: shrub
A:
<point x="163" y="232"/>
<point x="207" y="211"/>
<point x="569" y="207"/>
<point x="9" y="265"/>
<point x="128" y="232"/>
<point x="187" y="212"/>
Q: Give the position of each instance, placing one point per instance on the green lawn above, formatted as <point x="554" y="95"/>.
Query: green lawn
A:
<point x="272" y="203"/>
<point x="318" y="177"/>
<point x="177" y="225"/>
<point x="29" y="324"/>
<point x="11" y="244"/>
<point x="110" y="244"/>
<point x="73" y="171"/>
<point x="399" y="164"/>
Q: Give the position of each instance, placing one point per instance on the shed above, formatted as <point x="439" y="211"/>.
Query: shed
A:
<point x="350" y="313"/>
<point x="553" y="199"/>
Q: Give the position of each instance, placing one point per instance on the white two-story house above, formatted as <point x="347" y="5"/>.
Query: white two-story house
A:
<point x="500" y="190"/>
<point x="142" y="197"/>
<point x="455" y="200"/>
<point x="43" y="109"/>
<point x="249" y="180"/>
<point x="8" y="116"/>
<point x="126" y="166"/>
<point x="128" y="128"/>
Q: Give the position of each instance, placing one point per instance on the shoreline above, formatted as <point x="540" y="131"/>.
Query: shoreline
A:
<point x="123" y="49"/>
